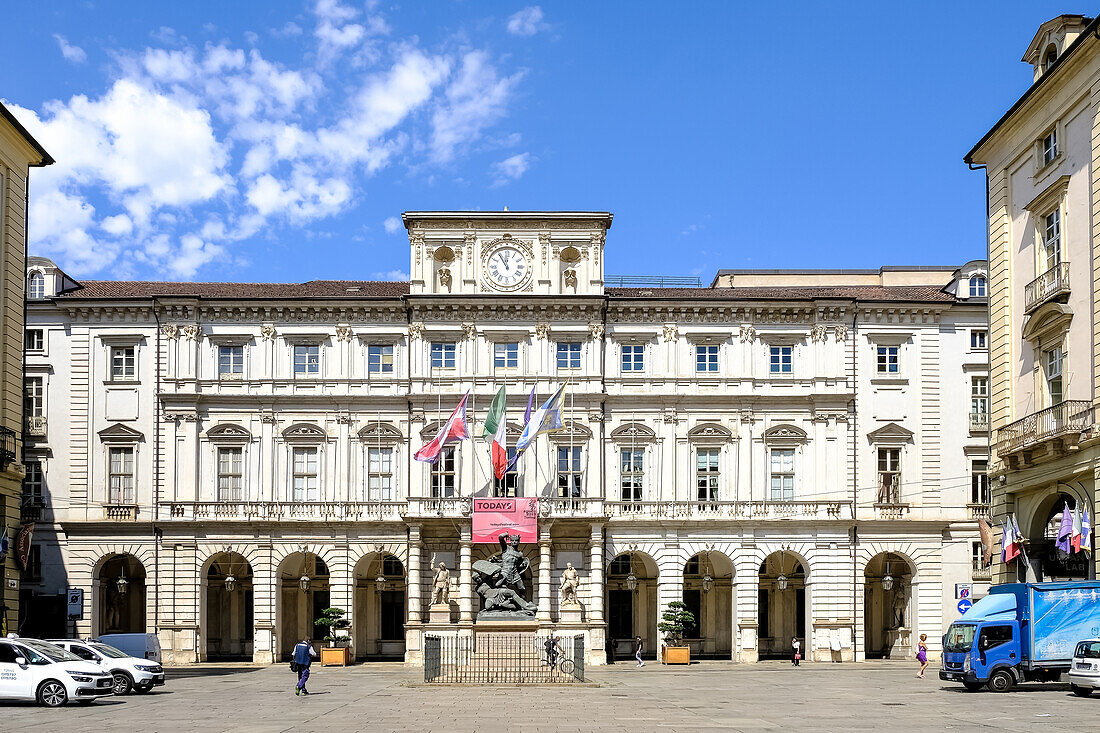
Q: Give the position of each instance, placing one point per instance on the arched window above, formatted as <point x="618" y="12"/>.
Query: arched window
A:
<point x="977" y="286"/>
<point x="1050" y="57"/>
<point x="36" y="286"/>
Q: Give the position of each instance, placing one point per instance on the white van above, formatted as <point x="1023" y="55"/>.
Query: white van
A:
<point x="130" y="673"/>
<point x="1084" y="671"/>
<point x="142" y="646"/>
<point x="33" y="670"/>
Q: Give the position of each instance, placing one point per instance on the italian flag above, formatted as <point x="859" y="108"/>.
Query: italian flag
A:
<point x="495" y="426"/>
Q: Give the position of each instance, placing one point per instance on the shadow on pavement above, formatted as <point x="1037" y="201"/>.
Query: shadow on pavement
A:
<point x="176" y="673"/>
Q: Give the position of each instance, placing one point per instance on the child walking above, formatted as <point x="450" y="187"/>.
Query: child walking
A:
<point x="922" y="654"/>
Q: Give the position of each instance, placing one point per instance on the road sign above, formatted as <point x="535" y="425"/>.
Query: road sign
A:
<point x="964" y="605"/>
<point x="963" y="590"/>
<point x="76" y="603"/>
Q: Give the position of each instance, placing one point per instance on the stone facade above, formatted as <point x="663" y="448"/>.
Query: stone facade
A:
<point x="767" y="453"/>
<point x="1042" y="161"/>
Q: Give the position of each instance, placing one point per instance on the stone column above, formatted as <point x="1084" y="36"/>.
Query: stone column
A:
<point x="595" y="575"/>
<point x="465" y="575"/>
<point x="544" y="574"/>
<point x="415" y="549"/>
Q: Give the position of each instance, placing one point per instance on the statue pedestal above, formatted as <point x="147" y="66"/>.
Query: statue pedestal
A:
<point x="572" y="614"/>
<point x="439" y="613"/>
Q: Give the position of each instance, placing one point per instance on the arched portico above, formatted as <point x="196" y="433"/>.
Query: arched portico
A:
<point x="889" y="620"/>
<point x="708" y="594"/>
<point x="121" y="595"/>
<point x="303" y="579"/>
<point x="783" y="605"/>
<point x="227" y="605"/>
<point x="631" y="603"/>
<point x="380" y="607"/>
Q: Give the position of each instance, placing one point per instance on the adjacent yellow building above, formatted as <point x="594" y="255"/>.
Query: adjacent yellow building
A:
<point x="18" y="153"/>
<point x="1042" y="162"/>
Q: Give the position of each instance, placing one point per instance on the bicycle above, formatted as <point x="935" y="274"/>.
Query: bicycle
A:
<point x="563" y="663"/>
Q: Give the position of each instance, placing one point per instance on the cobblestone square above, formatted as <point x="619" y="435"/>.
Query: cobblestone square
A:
<point x="703" y="697"/>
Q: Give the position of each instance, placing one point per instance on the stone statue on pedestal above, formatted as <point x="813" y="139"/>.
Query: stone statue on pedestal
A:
<point x="568" y="590"/>
<point x="441" y="588"/>
<point x="500" y="582"/>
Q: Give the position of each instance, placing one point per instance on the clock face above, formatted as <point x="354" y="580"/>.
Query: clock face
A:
<point x="507" y="267"/>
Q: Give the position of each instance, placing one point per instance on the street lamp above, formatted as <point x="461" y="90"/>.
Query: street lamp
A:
<point x="708" y="581"/>
<point x="781" y="581"/>
<point x="122" y="584"/>
<point x="887" y="579"/>
<point x="380" y="583"/>
<point x="631" y="578"/>
<point x="304" y="581"/>
<point x="230" y="583"/>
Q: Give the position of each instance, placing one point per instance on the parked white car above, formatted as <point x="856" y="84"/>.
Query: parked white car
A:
<point x="130" y="673"/>
<point x="1084" y="671"/>
<point x="34" y="670"/>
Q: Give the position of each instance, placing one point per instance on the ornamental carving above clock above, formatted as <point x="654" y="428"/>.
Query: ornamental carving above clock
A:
<point x="506" y="265"/>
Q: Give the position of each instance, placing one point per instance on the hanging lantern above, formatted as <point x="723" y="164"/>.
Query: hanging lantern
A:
<point x="230" y="583"/>
<point x="781" y="582"/>
<point x="632" y="581"/>
<point x="707" y="583"/>
<point x="887" y="579"/>
<point x="303" y="582"/>
<point x="122" y="584"/>
<point x="380" y="583"/>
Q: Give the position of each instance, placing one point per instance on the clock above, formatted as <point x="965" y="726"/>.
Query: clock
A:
<point x="506" y="267"/>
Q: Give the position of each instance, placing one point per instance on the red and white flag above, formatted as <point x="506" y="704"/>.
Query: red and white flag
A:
<point x="452" y="431"/>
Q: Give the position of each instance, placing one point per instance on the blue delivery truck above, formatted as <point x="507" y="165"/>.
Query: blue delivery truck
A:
<point x="1021" y="632"/>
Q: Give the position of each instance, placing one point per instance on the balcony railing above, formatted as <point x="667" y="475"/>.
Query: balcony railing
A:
<point x="120" y="512"/>
<point x="30" y="510"/>
<point x="566" y="508"/>
<point x="451" y="506"/>
<point x="978" y="511"/>
<point x="1049" y="285"/>
<point x="980" y="571"/>
<point x="891" y="510"/>
<point x="1065" y="418"/>
<point x="35" y="426"/>
<point x="979" y="422"/>
<point x="728" y="509"/>
<point x="288" y="511"/>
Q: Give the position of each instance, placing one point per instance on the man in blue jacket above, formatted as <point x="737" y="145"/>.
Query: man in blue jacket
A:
<point x="303" y="657"/>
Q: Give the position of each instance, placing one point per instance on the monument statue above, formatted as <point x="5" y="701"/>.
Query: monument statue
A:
<point x="441" y="588"/>
<point x="900" y="601"/>
<point x="569" y="582"/>
<point x="500" y="582"/>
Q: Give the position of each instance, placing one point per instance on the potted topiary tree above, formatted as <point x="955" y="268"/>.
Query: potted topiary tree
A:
<point x="674" y="620"/>
<point x="337" y="635"/>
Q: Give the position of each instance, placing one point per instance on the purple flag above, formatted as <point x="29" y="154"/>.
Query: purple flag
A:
<point x="526" y="419"/>
<point x="1065" y="530"/>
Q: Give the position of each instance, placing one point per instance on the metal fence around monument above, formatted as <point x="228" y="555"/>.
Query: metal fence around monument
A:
<point x="503" y="659"/>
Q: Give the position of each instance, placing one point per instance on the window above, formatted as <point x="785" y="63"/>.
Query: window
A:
<point x="889" y="475"/>
<point x="620" y="566"/>
<point x="979" y="482"/>
<point x="505" y="356"/>
<point x="33" y="484"/>
<point x="633" y="359"/>
<point x="569" y="355"/>
<point x="991" y="636"/>
<point x="508" y="485"/>
<point x="380" y="359"/>
<point x="33" y="397"/>
<point x="979" y="396"/>
<point x="305" y="474"/>
<point x="887" y="359"/>
<point x="1052" y="240"/>
<point x="978" y="340"/>
<point x="229" y="474"/>
<point x="122" y="362"/>
<point x="307" y="359"/>
<point x="706" y="474"/>
<point x="230" y="362"/>
<point x="36" y="286"/>
<point x="782" y="474"/>
<point x="1050" y="147"/>
<point x="443" y="355"/>
<point x="380" y="474"/>
<point x="631" y="473"/>
<point x="1050" y="57"/>
<point x="977" y="558"/>
<point x="569" y="471"/>
<point x="120" y="483"/>
<point x="977" y="286"/>
<point x="706" y="358"/>
<point x="391" y="567"/>
<point x="1052" y="367"/>
<point x="34" y="340"/>
<point x="443" y="475"/>
<point x="780" y="362"/>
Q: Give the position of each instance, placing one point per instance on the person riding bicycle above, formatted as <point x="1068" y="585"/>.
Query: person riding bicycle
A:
<point x="553" y="650"/>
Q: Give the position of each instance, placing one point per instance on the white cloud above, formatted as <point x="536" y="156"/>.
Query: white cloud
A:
<point x="289" y="30"/>
<point x="117" y="225"/>
<point x="392" y="225"/>
<point x="392" y="275"/>
<point x="526" y="22"/>
<point x="475" y="99"/>
<point x="70" y="52"/>
<point x="511" y="168"/>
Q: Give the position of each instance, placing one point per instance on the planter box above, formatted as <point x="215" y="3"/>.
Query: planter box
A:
<point x="335" y="656"/>
<point x="677" y="655"/>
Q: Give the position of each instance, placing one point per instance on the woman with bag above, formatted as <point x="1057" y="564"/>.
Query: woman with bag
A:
<point x="797" y="651"/>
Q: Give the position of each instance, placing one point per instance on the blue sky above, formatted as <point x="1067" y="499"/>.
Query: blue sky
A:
<point x="280" y="141"/>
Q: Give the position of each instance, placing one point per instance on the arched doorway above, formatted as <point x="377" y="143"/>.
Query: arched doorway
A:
<point x="380" y="608"/>
<point x="228" y="608"/>
<point x="888" y="621"/>
<point x="1048" y="562"/>
<point x="304" y="594"/>
<point x="631" y="604"/>
<point x="782" y="605"/>
<point x="708" y="594"/>
<point x="121" y="584"/>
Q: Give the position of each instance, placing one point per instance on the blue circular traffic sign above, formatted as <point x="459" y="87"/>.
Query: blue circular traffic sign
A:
<point x="964" y="605"/>
<point x="964" y="593"/>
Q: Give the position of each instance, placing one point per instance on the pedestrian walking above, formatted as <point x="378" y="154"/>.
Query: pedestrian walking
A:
<point x="797" y="646"/>
<point x="303" y="657"/>
<point x="922" y="654"/>
<point x="638" y="645"/>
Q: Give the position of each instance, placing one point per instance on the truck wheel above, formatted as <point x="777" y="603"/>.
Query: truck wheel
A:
<point x="1081" y="691"/>
<point x="972" y="686"/>
<point x="1001" y="681"/>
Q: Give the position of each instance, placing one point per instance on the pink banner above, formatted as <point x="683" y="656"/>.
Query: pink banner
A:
<point x="494" y="517"/>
